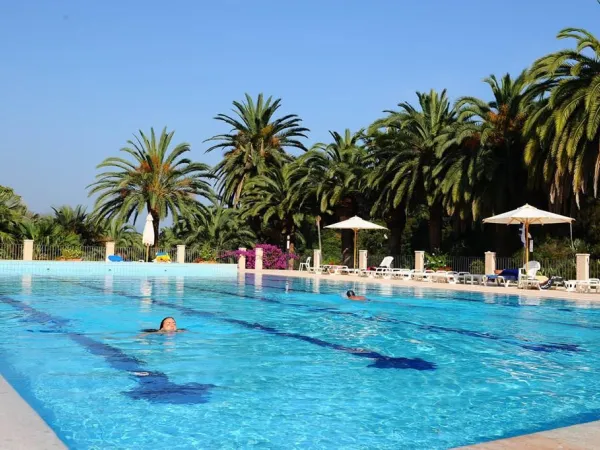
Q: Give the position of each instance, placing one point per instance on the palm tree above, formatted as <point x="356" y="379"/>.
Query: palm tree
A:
<point x="256" y="141"/>
<point x="45" y="232"/>
<point x="220" y="227"/>
<point x="482" y="172"/>
<point x="76" y="220"/>
<point x="331" y="175"/>
<point x="409" y="143"/>
<point x="121" y="233"/>
<point x="563" y="135"/>
<point x="12" y="213"/>
<point x="276" y="197"/>
<point x="155" y="179"/>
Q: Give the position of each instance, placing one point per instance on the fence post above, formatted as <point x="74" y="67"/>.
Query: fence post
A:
<point x="419" y="260"/>
<point x="258" y="265"/>
<point x="316" y="258"/>
<point x="242" y="260"/>
<point x="490" y="263"/>
<point x="583" y="266"/>
<point x="110" y="250"/>
<point x="28" y="250"/>
<point x="181" y="254"/>
<point x="362" y="259"/>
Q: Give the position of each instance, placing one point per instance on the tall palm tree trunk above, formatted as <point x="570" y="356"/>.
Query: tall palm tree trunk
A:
<point x="436" y="212"/>
<point x="345" y="211"/>
<point x="396" y="223"/>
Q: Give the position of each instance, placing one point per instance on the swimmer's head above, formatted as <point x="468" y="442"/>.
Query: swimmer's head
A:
<point x="350" y="293"/>
<point x="168" y="324"/>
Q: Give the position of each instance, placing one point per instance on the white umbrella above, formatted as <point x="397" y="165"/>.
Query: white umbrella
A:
<point x="356" y="223"/>
<point x="528" y="215"/>
<point x="148" y="234"/>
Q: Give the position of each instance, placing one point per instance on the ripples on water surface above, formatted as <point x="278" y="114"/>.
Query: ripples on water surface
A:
<point x="276" y="363"/>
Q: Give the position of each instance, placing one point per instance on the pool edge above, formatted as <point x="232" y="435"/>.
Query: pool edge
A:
<point x="20" y="426"/>
<point x="576" y="437"/>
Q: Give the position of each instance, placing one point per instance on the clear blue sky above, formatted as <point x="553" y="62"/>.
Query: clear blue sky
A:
<point x="78" y="77"/>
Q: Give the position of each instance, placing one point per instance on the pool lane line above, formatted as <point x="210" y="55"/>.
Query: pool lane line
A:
<point x="379" y="361"/>
<point x="536" y="347"/>
<point x="532" y="346"/>
<point x="527" y="345"/>
<point x="153" y="386"/>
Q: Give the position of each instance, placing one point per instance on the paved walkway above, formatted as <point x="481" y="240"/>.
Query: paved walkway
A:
<point x="577" y="437"/>
<point x="20" y="426"/>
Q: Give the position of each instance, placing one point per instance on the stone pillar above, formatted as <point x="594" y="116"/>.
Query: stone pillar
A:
<point x="316" y="258"/>
<point x="258" y="265"/>
<point x="419" y="260"/>
<point x="362" y="259"/>
<point x="110" y="250"/>
<point x="181" y="254"/>
<point x="28" y="250"/>
<point x="490" y="263"/>
<point x="242" y="260"/>
<point x="583" y="266"/>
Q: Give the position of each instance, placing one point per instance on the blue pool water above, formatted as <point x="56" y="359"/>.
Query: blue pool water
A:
<point x="275" y="363"/>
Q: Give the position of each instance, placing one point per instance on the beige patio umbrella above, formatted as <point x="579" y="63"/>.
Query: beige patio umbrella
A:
<point x="528" y="215"/>
<point x="356" y="223"/>
<point x="148" y="234"/>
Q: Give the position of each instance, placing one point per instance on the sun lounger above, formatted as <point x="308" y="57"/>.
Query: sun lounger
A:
<point x="587" y="286"/>
<point x="443" y="276"/>
<point x="385" y="265"/>
<point x="505" y="278"/>
<point x="304" y="265"/>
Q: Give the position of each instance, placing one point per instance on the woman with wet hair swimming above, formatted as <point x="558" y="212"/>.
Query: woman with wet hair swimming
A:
<point x="352" y="296"/>
<point x="167" y="325"/>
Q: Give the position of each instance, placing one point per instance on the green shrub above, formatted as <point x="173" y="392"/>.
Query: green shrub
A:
<point x="71" y="253"/>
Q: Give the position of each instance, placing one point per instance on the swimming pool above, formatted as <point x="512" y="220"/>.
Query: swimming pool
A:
<point x="270" y="362"/>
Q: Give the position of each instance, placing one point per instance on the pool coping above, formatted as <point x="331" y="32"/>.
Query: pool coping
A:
<point x="577" y="437"/>
<point x="20" y="426"/>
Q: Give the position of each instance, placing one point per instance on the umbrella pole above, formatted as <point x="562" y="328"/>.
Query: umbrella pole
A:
<point x="526" y="244"/>
<point x="147" y="251"/>
<point x="355" y="245"/>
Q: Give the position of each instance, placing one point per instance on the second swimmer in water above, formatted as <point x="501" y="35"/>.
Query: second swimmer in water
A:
<point x="352" y="296"/>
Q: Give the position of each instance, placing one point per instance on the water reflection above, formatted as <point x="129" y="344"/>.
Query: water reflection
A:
<point x="26" y="281"/>
<point x="146" y="300"/>
<point x="258" y="279"/>
<point x="316" y="288"/>
<point x="108" y="284"/>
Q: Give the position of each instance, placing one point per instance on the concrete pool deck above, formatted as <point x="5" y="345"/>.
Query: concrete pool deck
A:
<point x="578" y="437"/>
<point x="21" y="428"/>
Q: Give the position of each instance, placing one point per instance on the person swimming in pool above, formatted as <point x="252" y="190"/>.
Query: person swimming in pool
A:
<point x="167" y="325"/>
<point x="352" y="296"/>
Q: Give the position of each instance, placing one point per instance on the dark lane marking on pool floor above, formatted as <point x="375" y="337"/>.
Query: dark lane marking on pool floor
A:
<point x="533" y="346"/>
<point x="154" y="387"/>
<point x="380" y="361"/>
<point x="527" y="345"/>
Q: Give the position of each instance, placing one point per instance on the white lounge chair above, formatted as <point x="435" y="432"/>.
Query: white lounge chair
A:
<point x="528" y="275"/>
<point x="304" y="265"/>
<point x="385" y="266"/>
<point x="443" y="276"/>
